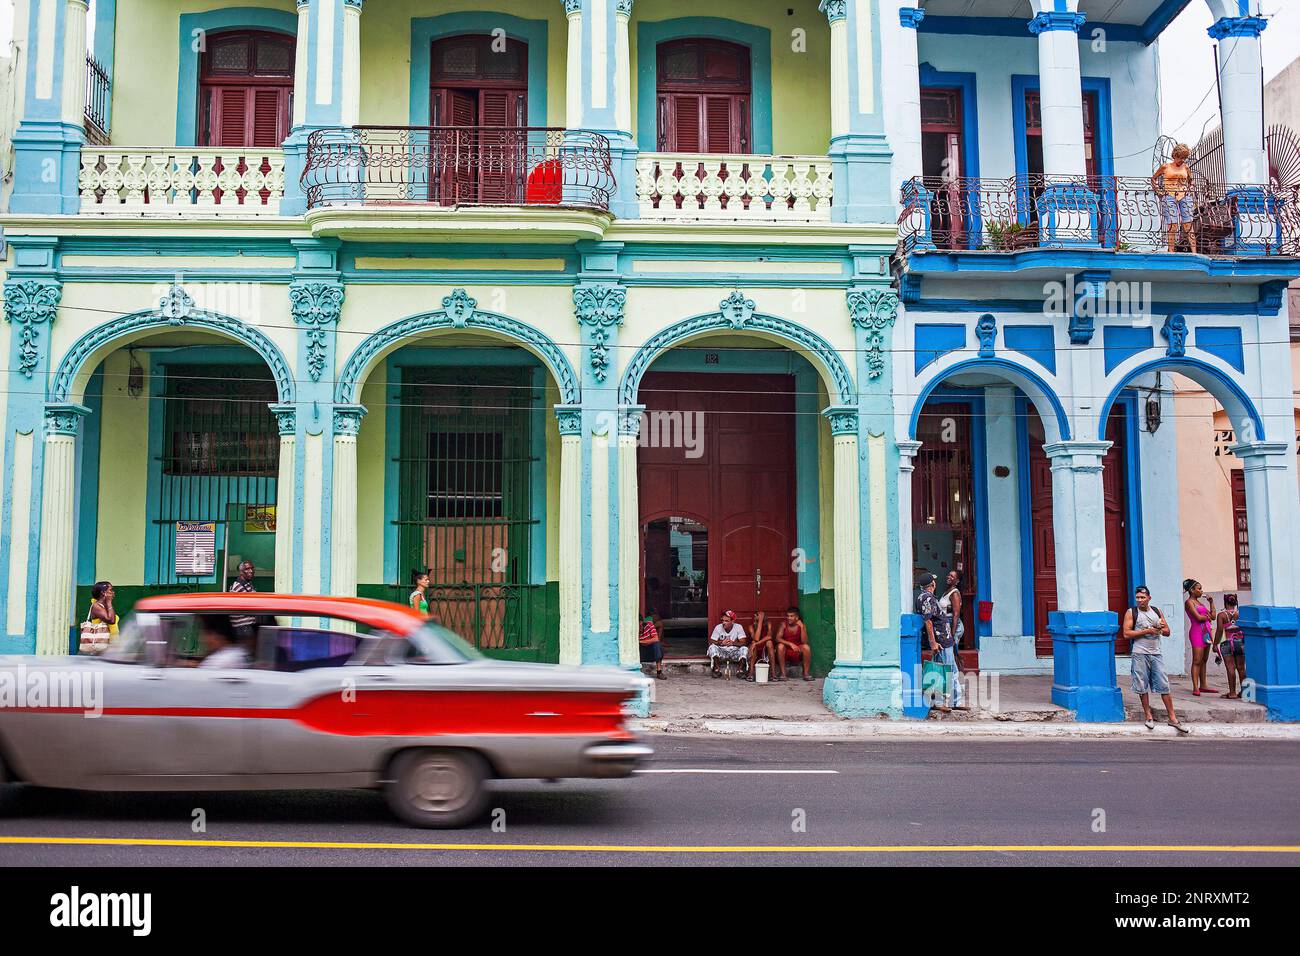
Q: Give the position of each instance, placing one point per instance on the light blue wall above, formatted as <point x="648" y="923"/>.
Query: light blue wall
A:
<point x="1131" y="68"/>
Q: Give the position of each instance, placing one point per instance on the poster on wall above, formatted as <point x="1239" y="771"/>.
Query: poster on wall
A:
<point x="259" y="519"/>
<point x="196" y="548"/>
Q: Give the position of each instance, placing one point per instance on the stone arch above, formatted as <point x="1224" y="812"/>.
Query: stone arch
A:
<point x="458" y="312"/>
<point x="1056" y="422"/>
<point x="834" y="371"/>
<point x="175" y="311"/>
<point x="1240" y="407"/>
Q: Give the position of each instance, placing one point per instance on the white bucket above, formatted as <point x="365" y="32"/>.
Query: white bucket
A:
<point x="760" y="672"/>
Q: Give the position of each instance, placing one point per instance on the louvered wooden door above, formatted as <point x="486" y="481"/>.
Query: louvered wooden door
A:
<point x="703" y="97"/>
<point x="246" y="90"/>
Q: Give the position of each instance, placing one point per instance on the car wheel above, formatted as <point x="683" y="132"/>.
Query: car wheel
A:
<point x="438" y="788"/>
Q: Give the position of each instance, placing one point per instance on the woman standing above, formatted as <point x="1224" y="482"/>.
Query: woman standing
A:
<point x="950" y="604"/>
<point x="1200" y="614"/>
<point x="1229" y="643"/>
<point x="101" y="606"/>
<point x="417" y="599"/>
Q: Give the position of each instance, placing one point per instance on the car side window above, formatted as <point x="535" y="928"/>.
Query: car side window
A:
<point x="305" y="648"/>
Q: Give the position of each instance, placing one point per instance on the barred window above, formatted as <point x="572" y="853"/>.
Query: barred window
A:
<point x="217" y="421"/>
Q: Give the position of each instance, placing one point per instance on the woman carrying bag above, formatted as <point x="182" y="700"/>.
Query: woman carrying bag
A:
<point x="100" y="626"/>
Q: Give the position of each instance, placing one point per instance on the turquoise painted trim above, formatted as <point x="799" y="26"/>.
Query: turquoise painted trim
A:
<point x="392" y="473"/>
<point x="1230" y="395"/>
<point x="1037" y="342"/>
<point x="424" y="30"/>
<point x="87" y="520"/>
<point x="153" y="482"/>
<point x="1137" y="565"/>
<point x="49" y="109"/>
<point x="1026" y="516"/>
<point x="106" y="46"/>
<point x="1121" y="342"/>
<point x="649" y="34"/>
<point x="932" y="341"/>
<point x="187" y="78"/>
<point x="1223" y="341"/>
<point x="1015" y="374"/>
<point x="537" y="478"/>
<point x="47" y="151"/>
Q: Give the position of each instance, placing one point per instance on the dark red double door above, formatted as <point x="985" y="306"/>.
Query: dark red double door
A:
<point x="738" y="481"/>
<point x="1114" y="492"/>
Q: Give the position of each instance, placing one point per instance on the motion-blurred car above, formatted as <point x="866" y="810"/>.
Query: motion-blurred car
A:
<point x="334" y="693"/>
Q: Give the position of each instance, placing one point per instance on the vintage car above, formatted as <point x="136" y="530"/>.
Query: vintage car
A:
<point x="308" y="693"/>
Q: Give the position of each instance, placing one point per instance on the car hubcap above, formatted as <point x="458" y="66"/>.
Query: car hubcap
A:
<point x="439" y="786"/>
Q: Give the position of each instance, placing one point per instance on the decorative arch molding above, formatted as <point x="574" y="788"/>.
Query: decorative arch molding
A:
<point x="1229" y="393"/>
<point x="459" y="311"/>
<point x="1044" y="399"/>
<point x="175" y="311"/>
<point x="736" y="315"/>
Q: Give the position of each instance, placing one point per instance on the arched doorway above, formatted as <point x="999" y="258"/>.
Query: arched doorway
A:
<point x="245" y="88"/>
<point x="704" y="96"/>
<point x="478" y="104"/>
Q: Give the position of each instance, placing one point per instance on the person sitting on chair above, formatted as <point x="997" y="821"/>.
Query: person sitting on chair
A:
<point x="792" y="644"/>
<point x="728" y="642"/>
<point x="652" y="647"/>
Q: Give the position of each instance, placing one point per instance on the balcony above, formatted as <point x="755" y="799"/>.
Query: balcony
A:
<point x="688" y="186"/>
<point x="181" y="182"/>
<point x="445" y="166"/>
<point x="1115" y="213"/>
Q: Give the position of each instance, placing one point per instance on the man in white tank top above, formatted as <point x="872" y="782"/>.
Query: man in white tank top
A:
<point x="1144" y="625"/>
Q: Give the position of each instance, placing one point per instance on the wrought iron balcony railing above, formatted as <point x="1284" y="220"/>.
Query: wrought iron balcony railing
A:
<point x="99" y="89"/>
<point x="1119" y="213"/>
<point x="457" y="166"/>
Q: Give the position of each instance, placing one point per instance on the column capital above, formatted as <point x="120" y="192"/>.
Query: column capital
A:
<point x="623" y="8"/>
<point x="911" y="17"/>
<point x="573" y="8"/>
<point x="569" y="418"/>
<point x="1050" y="20"/>
<point x="629" y="420"/>
<point x="64" y="418"/>
<point x="1237" y="27"/>
<point x="907" y="451"/>
<point x="835" y="10"/>
<point x="347" y="419"/>
<point x="286" y="417"/>
<point x="1255" y="454"/>
<point x="354" y="4"/>
<point x="843" y="419"/>
<point x="1078" y="455"/>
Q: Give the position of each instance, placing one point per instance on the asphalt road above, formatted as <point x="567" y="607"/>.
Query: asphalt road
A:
<point x="739" y="801"/>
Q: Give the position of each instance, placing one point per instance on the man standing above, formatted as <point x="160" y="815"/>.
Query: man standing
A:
<point x="243" y="584"/>
<point x="728" y="642"/>
<point x="1143" y="626"/>
<point x="939" y="636"/>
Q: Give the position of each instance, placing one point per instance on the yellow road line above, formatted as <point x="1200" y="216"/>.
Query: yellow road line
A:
<point x="652" y="848"/>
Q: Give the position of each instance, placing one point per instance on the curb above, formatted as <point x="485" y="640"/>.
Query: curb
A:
<point x="991" y="729"/>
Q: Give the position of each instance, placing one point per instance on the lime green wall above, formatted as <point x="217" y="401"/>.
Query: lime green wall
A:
<point x="370" y="478"/>
<point x="145" y="63"/>
<point x="801" y="102"/>
<point x="123" y="476"/>
<point x="386" y="53"/>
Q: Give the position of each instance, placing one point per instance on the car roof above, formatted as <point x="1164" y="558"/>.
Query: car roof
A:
<point x="379" y="615"/>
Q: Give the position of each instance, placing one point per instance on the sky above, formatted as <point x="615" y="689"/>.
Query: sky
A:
<point x="1189" y="103"/>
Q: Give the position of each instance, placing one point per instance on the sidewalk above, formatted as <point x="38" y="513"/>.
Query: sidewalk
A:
<point x="691" y="702"/>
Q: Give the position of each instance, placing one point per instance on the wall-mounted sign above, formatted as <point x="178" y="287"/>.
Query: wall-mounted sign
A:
<point x="259" y="519"/>
<point x="196" y="548"/>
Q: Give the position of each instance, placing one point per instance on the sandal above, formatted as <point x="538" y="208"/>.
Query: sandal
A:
<point x="1151" y="724"/>
<point x="808" y="677"/>
<point x="1181" y="728"/>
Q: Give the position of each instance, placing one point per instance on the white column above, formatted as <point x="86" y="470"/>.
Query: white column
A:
<point x="1057" y="25"/>
<point x="837" y="13"/>
<point x="907" y="450"/>
<point x="300" y="62"/>
<point x="573" y="62"/>
<point x="629" y="538"/>
<point x="55" y="596"/>
<point x="350" y="106"/>
<point x="848" y="534"/>
<point x="570" y="545"/>
<point x="1241" y="91"/>
<point x="1079" y="524"/>
<point x="1271" y="516"/>
<point x="286" y="416"/>
<point x="622" y="67"/>
<point x="74" y="62"/>
<point x="907" y="99"/>
<point x="343" y="518"/>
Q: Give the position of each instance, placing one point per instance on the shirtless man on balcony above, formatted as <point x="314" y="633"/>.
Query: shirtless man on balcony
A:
<point x="1173" y="184"/>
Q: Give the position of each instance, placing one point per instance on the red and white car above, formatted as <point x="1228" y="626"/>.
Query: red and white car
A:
<point x="335" y="693"/>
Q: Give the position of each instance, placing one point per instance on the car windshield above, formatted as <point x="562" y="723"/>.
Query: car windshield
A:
<point x="434" y="644"/>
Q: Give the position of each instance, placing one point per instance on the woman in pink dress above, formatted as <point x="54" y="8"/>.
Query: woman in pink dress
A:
<point x="1201" y="632"/>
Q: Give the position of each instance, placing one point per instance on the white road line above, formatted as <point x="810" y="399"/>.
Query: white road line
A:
<point x="708" y="770"/>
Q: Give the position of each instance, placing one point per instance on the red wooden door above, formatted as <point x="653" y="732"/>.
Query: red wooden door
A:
<point x="943" y="160"/>
<point x="739" y="481"/>
<point x="703" y="89"/>
<point x="1034" y="132"/>
<point x="1115" y="504"/>
<point x="245" y="89"/>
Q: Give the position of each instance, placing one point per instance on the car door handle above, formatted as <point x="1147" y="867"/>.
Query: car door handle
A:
<point x="382" y="678"/>
<point x="233" y="679"/>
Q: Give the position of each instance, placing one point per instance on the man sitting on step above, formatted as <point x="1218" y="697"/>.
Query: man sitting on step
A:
<point x="728" y="642"/>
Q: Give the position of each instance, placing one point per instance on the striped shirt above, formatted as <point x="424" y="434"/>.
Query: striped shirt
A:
<point x="240" y="586"/>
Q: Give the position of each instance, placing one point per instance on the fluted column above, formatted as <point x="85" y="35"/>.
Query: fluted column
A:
<point x="286" y="418"/>
<point x="629" y="537"/>
<point x="55" y="596"/>
<point x="74" y="62"/>
<point x="848" y="535"/>
<point x="573" y="64"/>
<point x="907" y="450"/>
<point x="343" y="518"/>
<point x="570" y="545"/>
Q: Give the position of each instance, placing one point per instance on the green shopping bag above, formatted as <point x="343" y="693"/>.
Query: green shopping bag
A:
<point x="936" y="682"/>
